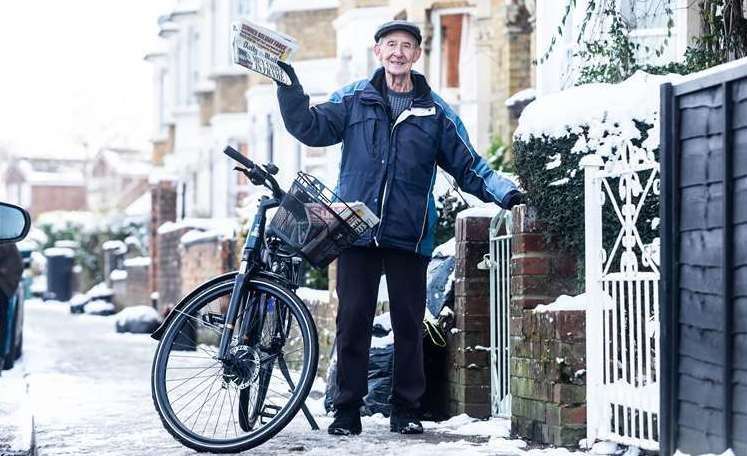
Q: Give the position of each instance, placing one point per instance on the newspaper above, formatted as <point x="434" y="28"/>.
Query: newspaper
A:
<point x="258" y="49"/>
<point x="362" y="211"/>
<point x="342" y="210"/>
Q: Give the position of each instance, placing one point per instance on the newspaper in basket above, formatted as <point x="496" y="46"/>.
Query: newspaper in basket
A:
<point x="258" y="49"/>
<point x="312" y="220"/>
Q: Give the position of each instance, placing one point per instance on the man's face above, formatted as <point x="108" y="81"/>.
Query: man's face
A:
<point x="397" y="51"/>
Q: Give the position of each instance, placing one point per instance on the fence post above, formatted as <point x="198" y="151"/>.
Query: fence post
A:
<point x="593" y="267"/>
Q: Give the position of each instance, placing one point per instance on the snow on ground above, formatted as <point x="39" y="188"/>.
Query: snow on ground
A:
<point x="728" y="452"/>
<point x="446" y="249"/>
<point x="312" y="294"/>
<point x="66" y="371"/>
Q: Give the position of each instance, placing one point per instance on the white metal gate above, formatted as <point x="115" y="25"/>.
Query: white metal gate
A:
<point x="622" y="287"/>
<point x="499" y="263"/>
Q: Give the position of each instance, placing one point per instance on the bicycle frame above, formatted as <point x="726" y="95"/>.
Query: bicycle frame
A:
<point x="250" y="260"/>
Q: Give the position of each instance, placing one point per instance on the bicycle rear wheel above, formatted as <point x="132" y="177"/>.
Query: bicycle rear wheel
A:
<point x="199" y="398"/>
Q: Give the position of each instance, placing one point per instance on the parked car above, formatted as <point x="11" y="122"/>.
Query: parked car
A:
<point x="14" y="225"/>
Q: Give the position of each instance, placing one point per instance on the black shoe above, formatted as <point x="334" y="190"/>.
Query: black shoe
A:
<point x="347" y="422"/>
<point x="405" y="422"/>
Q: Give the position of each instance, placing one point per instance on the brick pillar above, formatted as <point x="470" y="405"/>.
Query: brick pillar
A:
<point x="169" y="268"/>
<point x="548" y="349"/>
<point x="162" y="210"/>
<point x="469" y="368"/>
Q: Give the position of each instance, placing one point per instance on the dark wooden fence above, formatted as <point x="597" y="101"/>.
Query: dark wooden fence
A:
<point x="704" y="263"/>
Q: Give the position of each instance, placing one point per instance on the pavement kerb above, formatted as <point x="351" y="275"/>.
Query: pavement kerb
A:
<point x="17" y="437"/>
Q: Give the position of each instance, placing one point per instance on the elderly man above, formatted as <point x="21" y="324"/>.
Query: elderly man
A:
<point x="395" y="131"/>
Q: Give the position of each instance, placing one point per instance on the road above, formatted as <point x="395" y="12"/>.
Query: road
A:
<point x="90" y="393"/>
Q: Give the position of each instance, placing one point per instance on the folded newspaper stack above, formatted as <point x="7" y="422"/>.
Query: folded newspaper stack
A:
<point x="258" y="49"/>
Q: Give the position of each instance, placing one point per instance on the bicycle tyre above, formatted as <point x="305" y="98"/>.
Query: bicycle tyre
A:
<point x="257" y="437"/>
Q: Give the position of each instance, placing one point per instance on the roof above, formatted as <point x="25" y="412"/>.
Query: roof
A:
<point x="125" y="162"/>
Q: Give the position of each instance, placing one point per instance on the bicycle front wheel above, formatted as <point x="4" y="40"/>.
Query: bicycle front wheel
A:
<point x="202" y="401"/>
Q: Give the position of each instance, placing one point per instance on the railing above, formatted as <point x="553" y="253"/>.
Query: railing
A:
<point x="498" y="261"/>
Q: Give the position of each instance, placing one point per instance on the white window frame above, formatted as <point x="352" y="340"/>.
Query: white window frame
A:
<point x="434" y="65"/>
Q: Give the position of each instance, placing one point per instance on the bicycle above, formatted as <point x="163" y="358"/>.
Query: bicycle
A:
<point x="244" y="339"/>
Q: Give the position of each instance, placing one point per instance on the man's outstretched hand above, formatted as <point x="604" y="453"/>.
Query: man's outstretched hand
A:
<point x="516" y="198"/>
<point x="291" y="75"/>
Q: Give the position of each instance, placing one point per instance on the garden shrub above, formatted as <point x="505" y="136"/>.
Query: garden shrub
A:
<point x="90" y="231"/>
<point x="557" y="131"/>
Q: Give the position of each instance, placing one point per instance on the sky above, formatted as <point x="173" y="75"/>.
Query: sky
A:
<point x="72" y="72"/>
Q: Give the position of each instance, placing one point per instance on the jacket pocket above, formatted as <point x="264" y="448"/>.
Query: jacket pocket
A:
<point x="363" y="130"/>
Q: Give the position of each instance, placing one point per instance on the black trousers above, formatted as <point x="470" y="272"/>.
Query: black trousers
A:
<point x="358" y="274"/>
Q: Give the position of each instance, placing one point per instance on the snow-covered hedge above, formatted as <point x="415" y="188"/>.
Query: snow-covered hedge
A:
<point x="89" y="232"/>
<point x="557" y="130"/>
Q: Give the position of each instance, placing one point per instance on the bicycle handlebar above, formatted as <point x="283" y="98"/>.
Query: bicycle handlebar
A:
<point x="236" y="155"/>
<point x="258" y="175"/>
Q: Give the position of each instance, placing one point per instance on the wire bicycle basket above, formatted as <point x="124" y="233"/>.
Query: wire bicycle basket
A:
<point x="315" y="222"/>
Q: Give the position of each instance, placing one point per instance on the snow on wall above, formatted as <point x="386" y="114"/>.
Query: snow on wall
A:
<point x="489" y="210"/>
<point x="137" y="262"/>
<point x="563" y="303"/>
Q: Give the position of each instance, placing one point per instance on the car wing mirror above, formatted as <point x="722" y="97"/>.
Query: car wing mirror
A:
<point x="14" y="223"/>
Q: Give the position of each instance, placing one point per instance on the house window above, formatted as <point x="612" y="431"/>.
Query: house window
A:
<point x="647" y="20"/>
<point x="193" y="65"/>
<point x="451" y="41"/>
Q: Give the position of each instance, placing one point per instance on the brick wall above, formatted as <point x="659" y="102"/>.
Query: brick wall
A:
<point x="229" y="94"/>
<point x="324" y="312"/>
<point x="547" y="348"/>
<point x="119" y="289"/>
<point x="352" y="4"/>
<point x="513" y="53"/>
<point x="207" y="105"/>
<point x="204" y="259"/>
<point x="468" y="368"/>
<point x="162" y="210"/>
<point x="45" y="198"/>
<point x="169" y="268"/>
<point x="137" y="287"/>
<point x="314" y="29"/>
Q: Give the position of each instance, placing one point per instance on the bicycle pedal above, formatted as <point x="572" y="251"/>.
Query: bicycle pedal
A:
<point x="265" y="414"/>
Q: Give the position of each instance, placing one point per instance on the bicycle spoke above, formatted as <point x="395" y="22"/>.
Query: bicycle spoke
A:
<point x="220" y="413"/>
<point x="184" y="394"/>
<point x="230" y="412"/>
<point x="193" y="399"/>
<point x="207" y="398"/>
<point x="185" y="381"/>
<point x="212" y="409"/>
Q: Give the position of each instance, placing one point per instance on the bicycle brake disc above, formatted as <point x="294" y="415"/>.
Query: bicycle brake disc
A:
<point x="243" y="367"/>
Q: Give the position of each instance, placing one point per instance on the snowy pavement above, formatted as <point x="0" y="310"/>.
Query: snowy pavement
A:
<point x="90" y="393"/>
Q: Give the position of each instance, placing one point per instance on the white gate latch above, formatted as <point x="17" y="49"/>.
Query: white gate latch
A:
<point x="486" y="263"/>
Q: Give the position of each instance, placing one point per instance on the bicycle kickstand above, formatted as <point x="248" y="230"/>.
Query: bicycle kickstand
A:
<point x="306" y="412"/>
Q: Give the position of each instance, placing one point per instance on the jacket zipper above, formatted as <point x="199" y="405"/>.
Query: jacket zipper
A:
<point x="398" y="121"/>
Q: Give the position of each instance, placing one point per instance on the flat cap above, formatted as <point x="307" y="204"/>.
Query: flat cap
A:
<point x="400" y="25"/>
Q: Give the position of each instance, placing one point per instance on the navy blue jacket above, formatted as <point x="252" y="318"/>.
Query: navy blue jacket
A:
<point x="390" y="164"/>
